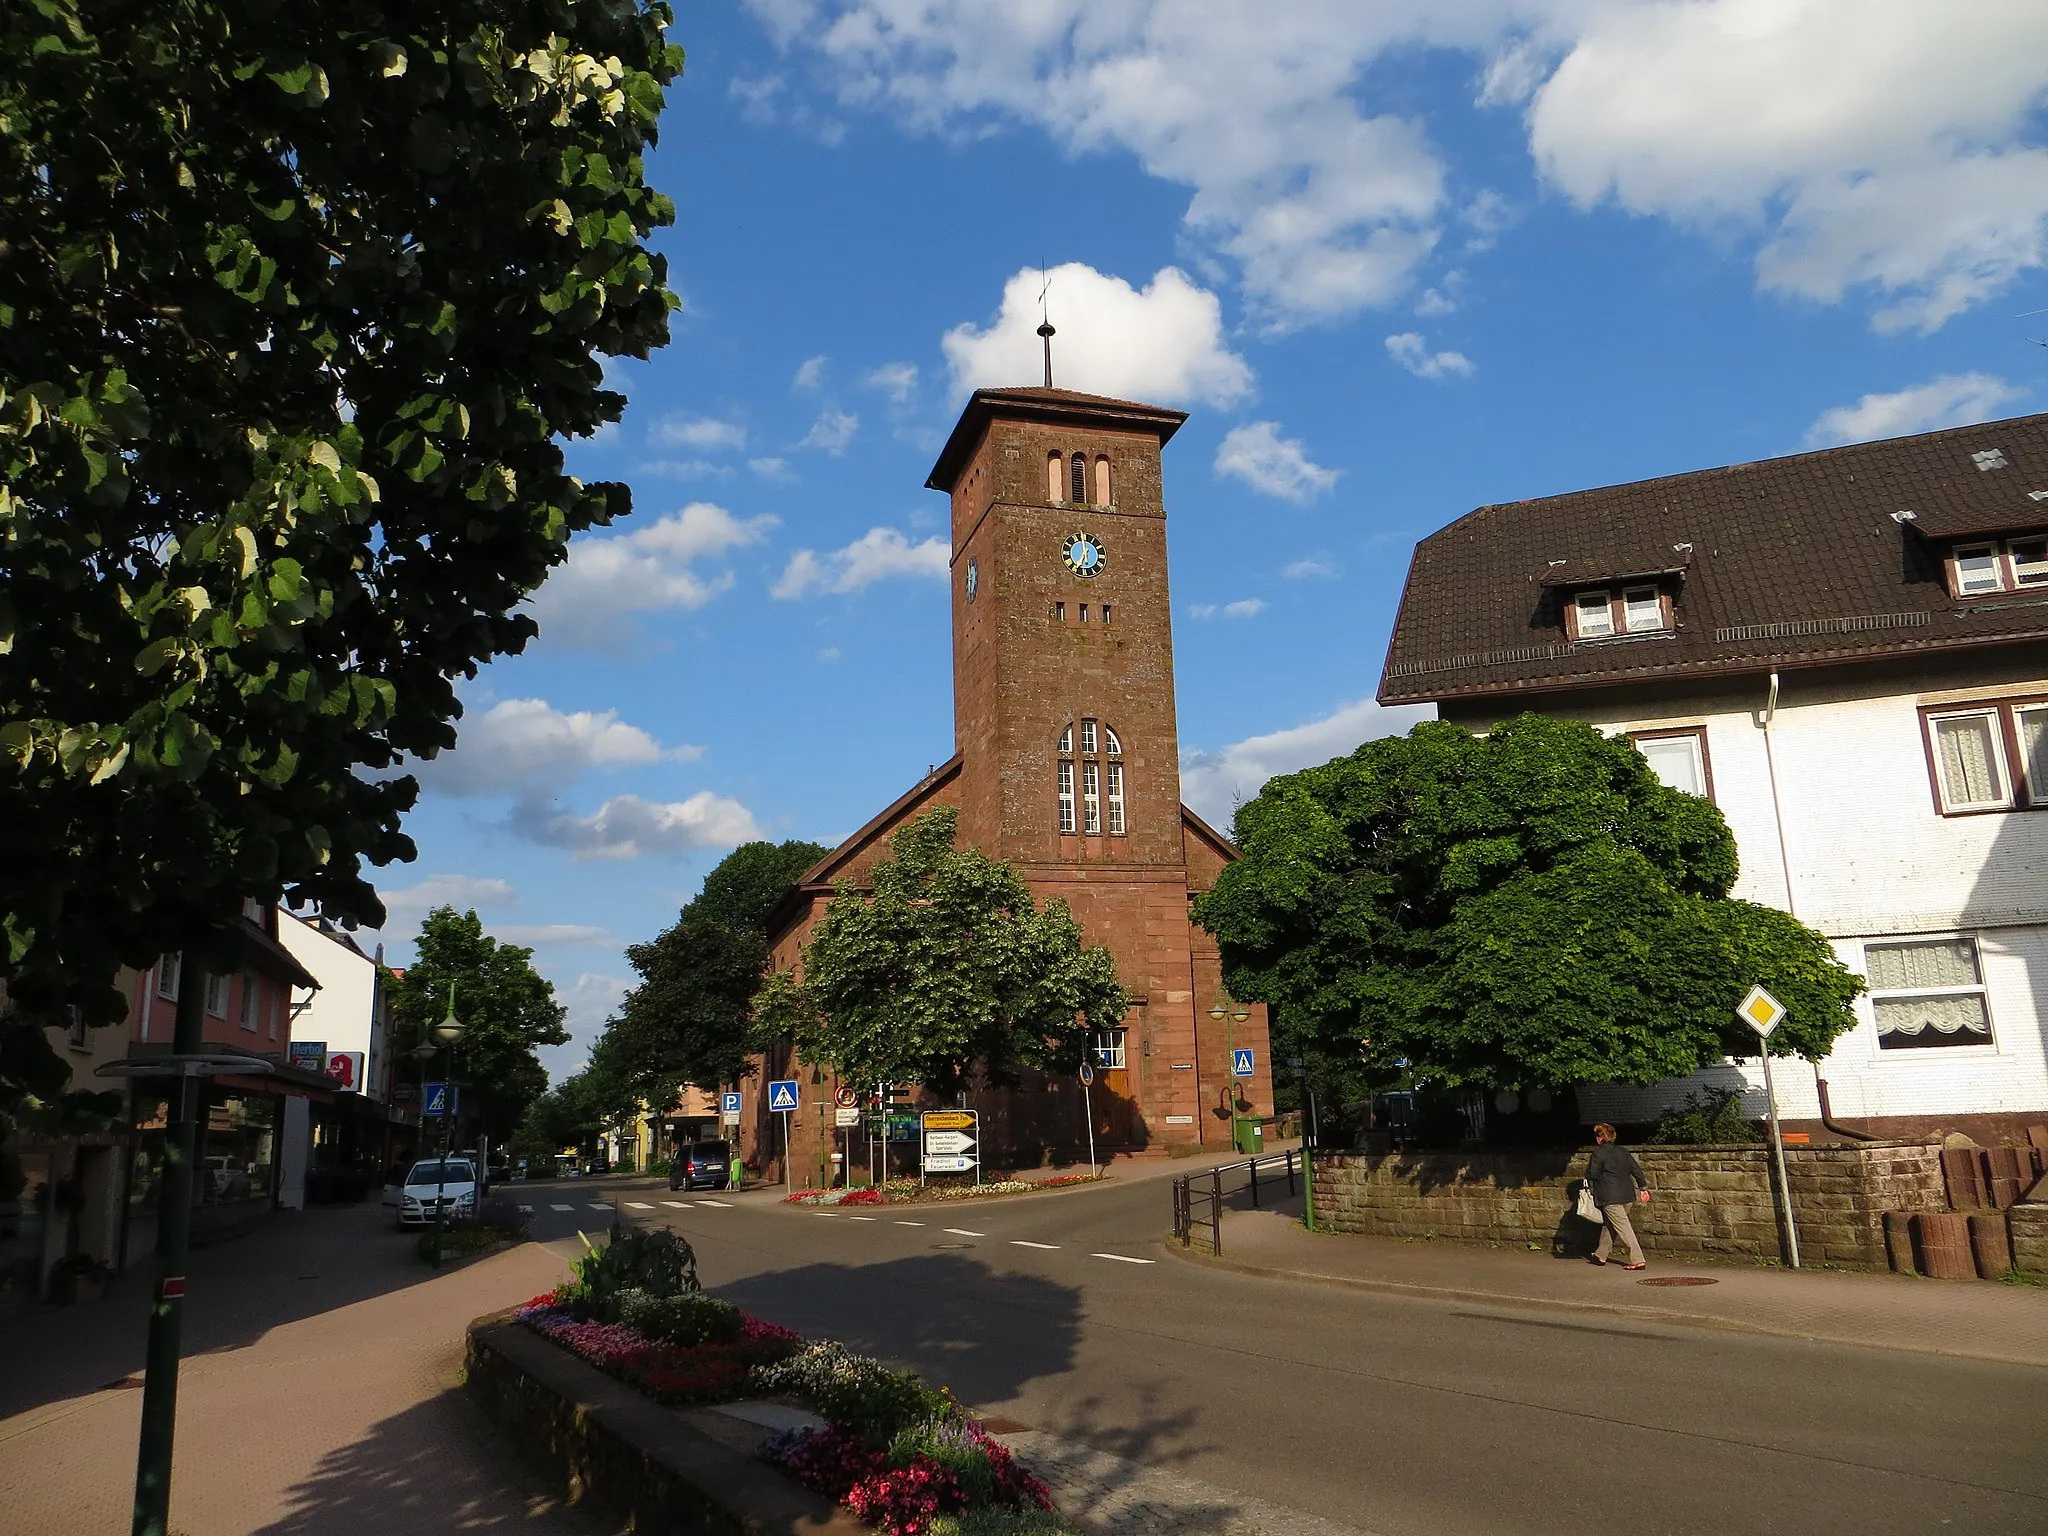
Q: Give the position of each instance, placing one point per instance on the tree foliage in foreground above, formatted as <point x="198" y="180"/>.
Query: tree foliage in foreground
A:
<point x="945" y="973"/>
<point x="507" y="1009"/>
<point x="1532" y="908"/>
<point x="298" y="299"/>
<point x="691" y="1018"/>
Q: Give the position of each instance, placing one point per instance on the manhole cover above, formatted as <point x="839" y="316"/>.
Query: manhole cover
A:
<point x="1678" y="1280"/>
<point x="952" y="1245"/>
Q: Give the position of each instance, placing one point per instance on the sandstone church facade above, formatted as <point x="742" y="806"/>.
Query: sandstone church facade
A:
<point x="1067" y="765"/>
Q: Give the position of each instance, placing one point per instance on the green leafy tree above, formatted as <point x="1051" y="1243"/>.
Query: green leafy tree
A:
<point x="945" y="970"/>
<point x="1531" y="908"/>
<point x="691" y="1017"/>
<point x="507" y="1008"/>
<point x="563" y="1117"/>
<point x="298" y="302"/>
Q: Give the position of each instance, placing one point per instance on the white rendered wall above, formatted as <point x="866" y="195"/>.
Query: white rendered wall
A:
<point x="344" y="1012"/>
<point x="1870" y="858"/>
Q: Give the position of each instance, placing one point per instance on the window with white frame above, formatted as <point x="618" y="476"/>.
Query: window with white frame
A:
<point x="1927" y="993"/>
<point x="2000" y="565"/>
<point x="252" y="999"/>
<point x="1631" y="611"/>
<point x="217" y="996"/>
<point x="1678" y="758"/>
<point x="1109" y="1050"/>
<point x="1091" y="780"/>
<point x="1642" y="610"/>
<point x="1595" y="615"/>
<point x="168" y="970"/>
<point x="1991" y="756"/>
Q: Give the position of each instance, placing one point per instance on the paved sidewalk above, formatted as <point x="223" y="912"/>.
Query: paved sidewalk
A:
<point x="1980" y="1320"/>
<point x="318" y="1396"/>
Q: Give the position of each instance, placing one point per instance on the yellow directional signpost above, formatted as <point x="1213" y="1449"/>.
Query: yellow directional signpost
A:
<point x="951" y="1142"/>
<point x="1761" y="1012"/>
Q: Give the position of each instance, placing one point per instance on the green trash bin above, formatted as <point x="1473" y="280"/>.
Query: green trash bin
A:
<point x="1249" y="1136"/>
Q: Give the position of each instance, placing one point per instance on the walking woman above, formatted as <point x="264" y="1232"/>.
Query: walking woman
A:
<point x="1617" y="1182"/>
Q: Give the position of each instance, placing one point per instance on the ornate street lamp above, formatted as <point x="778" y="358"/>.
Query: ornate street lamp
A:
<point x="449" y="1033"/>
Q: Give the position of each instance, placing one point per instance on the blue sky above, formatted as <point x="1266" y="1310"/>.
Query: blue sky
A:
<point x="1397" y="259"/>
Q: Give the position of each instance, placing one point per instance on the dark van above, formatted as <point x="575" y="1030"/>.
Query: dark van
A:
<point x="701" y="1165"/>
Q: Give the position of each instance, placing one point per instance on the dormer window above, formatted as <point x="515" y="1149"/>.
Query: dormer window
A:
<point x="1607" y="612"/>
<point x="2003" y="565"/>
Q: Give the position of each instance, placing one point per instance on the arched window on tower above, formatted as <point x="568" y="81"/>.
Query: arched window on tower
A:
<point x="1091" y="780"/>
<point x="1102" y="497"/>
<point x="1080" y="478"/>
<point x="1055" y="475"/>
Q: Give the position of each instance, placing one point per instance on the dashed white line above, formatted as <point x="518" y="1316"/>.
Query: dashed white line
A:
<point x="963" y="1232"/>
<point x="909" y="1223"/>
<point x="1018" y="1242"/>
<point x="561" y="1207"/>
<point x="863" y="1218"/>
<point x="1122" y="1258"/>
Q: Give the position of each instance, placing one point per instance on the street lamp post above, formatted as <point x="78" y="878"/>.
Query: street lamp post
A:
<point x="1237" y="1013"/>
<point x="449" y="1033"/>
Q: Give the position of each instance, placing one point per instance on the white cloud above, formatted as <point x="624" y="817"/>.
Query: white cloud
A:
<point x="685" y="469"/>
<point x="1443" y="298"/>
<point x="527" y="746"/>
<point x="1412" y="352"/>
<point x="1215" y="782"/>
<point x="587" y="1002"/>
<point x="704" y="433"/>
<point x="1953" y="400"/>
<point x="1243" y="608"/>
<point x="831" y="432"/>
<point x="1270" y="464"/>
<point x="1161" y="343"/>
<point x="1887" y="145"/>
<point x="896" y="380"/>
<point x="809" y="373"/>
<point x="771" y="469"/>
<point x="588" y="603"/>
<point x="1874" y="143"/>
<point x="559" y="935"/>
<point x="462" y="892"/>
<point x="626" y="826"/>
<point x="876" y="555"/>
<point x="1309" y="567"/>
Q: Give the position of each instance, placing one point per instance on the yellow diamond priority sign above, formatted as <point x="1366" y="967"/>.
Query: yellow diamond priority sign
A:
<point x="1760" y="1011"/>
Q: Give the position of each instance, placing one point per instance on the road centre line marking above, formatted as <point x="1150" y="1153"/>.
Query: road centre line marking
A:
<point x="1018" y="1242"/>
<point x="863" y="1218"/>
<point x="909" y="1223"/>
<point x="561" y="1207"/>
<point x="963" y="1232"/>
<point x="1122" y="1258"/>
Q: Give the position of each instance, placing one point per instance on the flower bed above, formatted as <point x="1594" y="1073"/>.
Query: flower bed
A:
<point x="900" y="1454"/>
<point x="910" y="1192"/>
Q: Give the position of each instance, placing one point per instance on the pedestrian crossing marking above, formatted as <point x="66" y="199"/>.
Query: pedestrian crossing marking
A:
<point x="719" y="1203"/>
<point x="600" y="1205"/>
<point x="561" y="1207"/>
<point x="677" y="1205"/>
<point x="638" y="1205"/>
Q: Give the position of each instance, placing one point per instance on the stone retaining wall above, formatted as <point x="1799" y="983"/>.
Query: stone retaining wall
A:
<point x="1705" y="1201"/>
<point x="610" y="1448"/>
<point x="2029" y="1226"/>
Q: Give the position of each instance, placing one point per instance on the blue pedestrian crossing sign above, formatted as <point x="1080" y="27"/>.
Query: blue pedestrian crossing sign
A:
<point x="440" y="1099"/>
<point x="782" y="1095"/>
<point x="728" y="1103"/>
<point x="1241" y="1062"/>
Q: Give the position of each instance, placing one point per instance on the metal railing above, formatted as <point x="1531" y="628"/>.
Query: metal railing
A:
<point x="1198" y="1197"/>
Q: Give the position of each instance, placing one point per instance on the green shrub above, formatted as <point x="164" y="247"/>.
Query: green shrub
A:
<point x="1705" y="1119"/>
<point x="686" y="1320"/>
<point x="858" y="1393"/>
<point x="1003" y="1522"/>
<point x="650" y="1259"/>
<point x="461" y="1239"/>
<point x="947" y="1442"/>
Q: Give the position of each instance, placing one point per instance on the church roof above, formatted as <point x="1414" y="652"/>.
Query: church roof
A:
<point x="1065" y="406"/>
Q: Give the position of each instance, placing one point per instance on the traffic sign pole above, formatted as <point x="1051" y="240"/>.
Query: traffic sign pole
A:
<point x="1761" y="1012"/>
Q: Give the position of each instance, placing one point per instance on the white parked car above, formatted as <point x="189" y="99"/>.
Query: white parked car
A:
<point x="424" y="1182"/>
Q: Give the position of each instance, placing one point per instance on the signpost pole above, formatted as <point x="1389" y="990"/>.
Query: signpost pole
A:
<point x="788" y="1167"/>
<point x="1778" y="1157"/>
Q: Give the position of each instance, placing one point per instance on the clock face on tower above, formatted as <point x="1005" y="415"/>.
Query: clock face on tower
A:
<point x="1083" y="554"/>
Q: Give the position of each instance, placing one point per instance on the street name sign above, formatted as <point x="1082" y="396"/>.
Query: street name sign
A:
<point x="1760" y="1011"/>
<point x="782" y="1096"/>
<point x="950" y="1120"/>
<point x="949" y="1141"/>
<point x="1241" y="1062"/>
<point x="947" y="1163"/>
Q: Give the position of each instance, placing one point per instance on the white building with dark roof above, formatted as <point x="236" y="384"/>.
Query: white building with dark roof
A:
<point x="1847" y="651"/>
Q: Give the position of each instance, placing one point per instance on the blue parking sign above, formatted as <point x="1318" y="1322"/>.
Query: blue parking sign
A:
<point x="782" y="1095"/>
<point x="1241" y="1062"/>
<point x="729" y="1103"/>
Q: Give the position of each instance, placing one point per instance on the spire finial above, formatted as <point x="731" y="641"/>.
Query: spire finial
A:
<point x="1045" y="330"/>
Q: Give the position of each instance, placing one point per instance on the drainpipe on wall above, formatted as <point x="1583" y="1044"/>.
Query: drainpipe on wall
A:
<point x="1777" y="807"/>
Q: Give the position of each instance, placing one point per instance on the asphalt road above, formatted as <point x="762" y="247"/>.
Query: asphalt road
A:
<point x="1394" y="1415"/>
